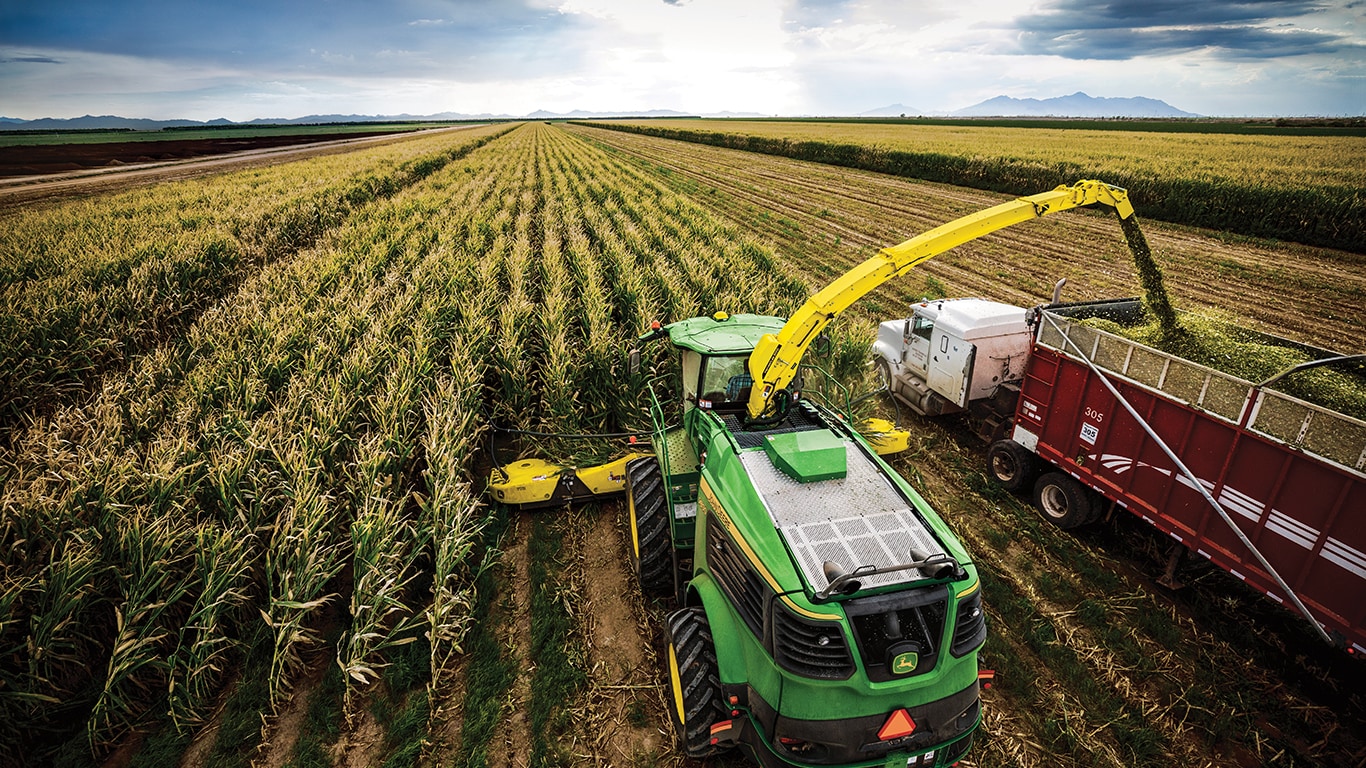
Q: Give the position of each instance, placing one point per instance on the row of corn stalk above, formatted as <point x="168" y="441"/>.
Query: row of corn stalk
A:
<point x="302" y="455"/>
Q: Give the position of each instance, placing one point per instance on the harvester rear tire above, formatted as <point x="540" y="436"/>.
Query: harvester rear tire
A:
<point x="695" y="682"/>
<point x="651" y="539"/>
<point x="1012" y="465"/>
<point x="1063" y="500"/>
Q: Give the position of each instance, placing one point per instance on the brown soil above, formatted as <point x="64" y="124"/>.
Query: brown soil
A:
<point x="626" y="691"/>
<point x="57" y="158"/>
<point x="510" y="745"/>
<point x="282" y="731"/>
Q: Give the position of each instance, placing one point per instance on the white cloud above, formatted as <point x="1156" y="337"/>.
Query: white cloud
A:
<point x="706" y="55"/>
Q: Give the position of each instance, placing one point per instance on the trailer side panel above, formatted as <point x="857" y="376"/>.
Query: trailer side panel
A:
<point x="1306" y="515"/>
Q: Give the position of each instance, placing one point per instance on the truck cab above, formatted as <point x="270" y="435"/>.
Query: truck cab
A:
<point x="951" y="353"/>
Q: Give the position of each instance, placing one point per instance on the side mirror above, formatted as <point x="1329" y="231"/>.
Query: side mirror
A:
<point x="633" y="362"/>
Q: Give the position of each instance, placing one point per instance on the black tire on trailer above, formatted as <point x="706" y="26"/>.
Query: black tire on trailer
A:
<point x="1099" y="506"/>
<point x="694" y="681"/>
<point x="651" y="540"/>
<point x="1063" y="500"/>
<point x="1012" y="465"/>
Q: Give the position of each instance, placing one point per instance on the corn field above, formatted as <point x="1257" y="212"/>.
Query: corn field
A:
<point x="247" y="421"/>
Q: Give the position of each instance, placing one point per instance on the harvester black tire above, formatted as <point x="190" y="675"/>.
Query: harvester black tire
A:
<point x="694" y="681"/>
<point x="1012" y="465"/>
<point x="651" y="539"/>
<point x="1063" y="500"/>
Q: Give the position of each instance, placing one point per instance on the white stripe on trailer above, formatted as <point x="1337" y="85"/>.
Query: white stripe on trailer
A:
<point x="1342" y="555"/>
<point x="1292" y="529"/>
<point x="1283" y="525"/>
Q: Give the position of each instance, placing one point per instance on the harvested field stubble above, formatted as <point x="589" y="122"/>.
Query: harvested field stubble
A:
<point x="1301" y="188"/>
<point x="290" y="480"/>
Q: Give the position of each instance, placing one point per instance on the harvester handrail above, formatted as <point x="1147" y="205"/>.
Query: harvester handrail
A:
<point x="848" y="410"/>
<point x="659" y="434"/>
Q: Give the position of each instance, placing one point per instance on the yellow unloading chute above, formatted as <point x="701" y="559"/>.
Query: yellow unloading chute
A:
<point x="774" y="361"/>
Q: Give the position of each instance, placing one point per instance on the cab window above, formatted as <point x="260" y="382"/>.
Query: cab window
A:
<point x="922" y="326"/>
<point x="726" y="379"/>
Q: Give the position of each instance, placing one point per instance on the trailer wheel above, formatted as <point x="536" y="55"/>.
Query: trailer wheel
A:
<point x="1012" y="465"/>
<point x="1063" y="500"/>
<point x="695" y="682"/>
<point x="651" y="540"/>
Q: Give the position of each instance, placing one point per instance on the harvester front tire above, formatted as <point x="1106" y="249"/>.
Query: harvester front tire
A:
<point x="695" y="682"/>
<point x="1063" y="500"/>
<point x="1012" y="465"/>
<point x="651" y="540"/>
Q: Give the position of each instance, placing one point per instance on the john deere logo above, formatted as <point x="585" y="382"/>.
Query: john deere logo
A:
<point x="905" y="663"/>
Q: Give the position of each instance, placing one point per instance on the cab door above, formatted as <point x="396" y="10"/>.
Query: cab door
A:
<point x="950" y="373"/>
<point x="916" y="338"/>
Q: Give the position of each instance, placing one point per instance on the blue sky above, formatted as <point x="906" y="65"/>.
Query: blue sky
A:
<point x="245" y="59"/>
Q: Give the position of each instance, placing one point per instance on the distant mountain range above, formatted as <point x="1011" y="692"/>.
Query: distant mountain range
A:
<point x="1076" y="105"/>
<point x="893" y="110"/>
<point x="113" y="122"/>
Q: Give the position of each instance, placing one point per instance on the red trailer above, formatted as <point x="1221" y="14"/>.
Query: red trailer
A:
<point x="1270" y="488"/>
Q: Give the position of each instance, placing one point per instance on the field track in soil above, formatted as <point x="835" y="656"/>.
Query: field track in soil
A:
<point x="1099" y="666"/>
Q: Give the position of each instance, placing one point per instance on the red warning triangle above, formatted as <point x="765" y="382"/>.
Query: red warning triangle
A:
<point x="898" y="725"/>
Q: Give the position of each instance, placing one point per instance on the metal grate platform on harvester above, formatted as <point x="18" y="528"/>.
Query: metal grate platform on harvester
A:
<point x="859" y="519"/>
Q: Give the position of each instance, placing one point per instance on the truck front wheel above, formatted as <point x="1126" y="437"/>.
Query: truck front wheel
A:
<point x="884" y="373"/>
<point x="651" y="539"/>
<point x="695" y="682"/>
<point x="1012" y="465"/>
<point x="1063" y="500"/>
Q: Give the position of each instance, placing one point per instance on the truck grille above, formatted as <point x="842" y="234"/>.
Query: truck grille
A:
<point x="810" y="649"/>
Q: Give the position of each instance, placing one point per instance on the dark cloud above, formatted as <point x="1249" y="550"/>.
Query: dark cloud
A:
<point x="337" y="37"/>
<point x="31" y="60"/>
<point x="1123" y="29"/>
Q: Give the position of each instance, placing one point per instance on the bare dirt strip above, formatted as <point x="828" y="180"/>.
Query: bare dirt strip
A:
<point x="41" y="187"/>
